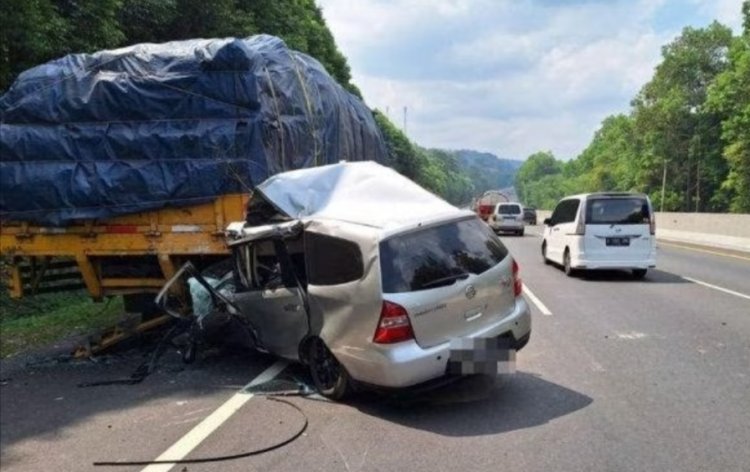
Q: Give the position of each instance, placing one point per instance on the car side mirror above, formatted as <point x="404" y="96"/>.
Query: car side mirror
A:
<point x="547" y="221"/>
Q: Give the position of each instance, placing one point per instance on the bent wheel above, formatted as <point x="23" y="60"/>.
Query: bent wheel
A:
<point x="328" y="375"/>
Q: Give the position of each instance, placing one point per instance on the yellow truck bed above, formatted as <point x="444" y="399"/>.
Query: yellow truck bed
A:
<point x="124" y="255"/>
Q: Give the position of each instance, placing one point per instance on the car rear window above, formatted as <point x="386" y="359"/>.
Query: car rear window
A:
<point x="622" y="211"/>
<point x="509" y="210"/>
<point x="436" y="256"/>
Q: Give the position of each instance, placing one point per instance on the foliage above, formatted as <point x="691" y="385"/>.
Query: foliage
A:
<point x="40" y="319"/>
<point x="688" y="128"/>
<point x="35" y="31"/>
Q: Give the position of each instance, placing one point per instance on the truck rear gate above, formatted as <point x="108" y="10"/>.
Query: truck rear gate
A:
<point x="119" y="256"/>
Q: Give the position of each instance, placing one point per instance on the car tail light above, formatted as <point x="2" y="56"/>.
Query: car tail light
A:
<point x="517" y="282"/>
<point x="394" y="325"/>
<point x="652" y="224"/>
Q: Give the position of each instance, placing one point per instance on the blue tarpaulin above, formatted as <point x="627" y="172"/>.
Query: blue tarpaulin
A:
<point x="166" y="125"/>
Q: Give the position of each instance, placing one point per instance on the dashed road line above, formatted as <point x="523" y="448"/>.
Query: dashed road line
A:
<point x="716" y="287"/>
<point x="535" y="300"/>
<point x="211" y="423"/>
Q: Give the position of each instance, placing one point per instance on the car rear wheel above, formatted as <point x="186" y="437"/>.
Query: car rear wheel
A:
<point x="638" y="274"/>
<point x="569" y="271"/>
<point x="328" y="375"/>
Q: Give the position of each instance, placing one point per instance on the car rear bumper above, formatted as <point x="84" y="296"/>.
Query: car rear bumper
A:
<point x="506" y="225"/>
<point x="407" y="364"/>
<point x="594" y="264"/>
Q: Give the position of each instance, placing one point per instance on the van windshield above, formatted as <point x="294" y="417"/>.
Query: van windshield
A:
<point x="438" y="256"/>
<point x="509" y="210"/>
<point x="622" y="211"/>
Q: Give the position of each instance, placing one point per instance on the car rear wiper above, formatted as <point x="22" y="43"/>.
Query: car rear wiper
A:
<point x="442" y="280"/>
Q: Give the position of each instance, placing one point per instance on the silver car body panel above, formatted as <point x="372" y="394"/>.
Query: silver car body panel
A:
<point x="365" y="203"/>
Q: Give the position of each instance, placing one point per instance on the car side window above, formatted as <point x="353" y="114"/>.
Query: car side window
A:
<point x="331" y="260"/>
<point x="565" y="212"/>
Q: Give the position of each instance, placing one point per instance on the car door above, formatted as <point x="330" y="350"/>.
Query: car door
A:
<point x="562" y="223"/>
<point x="270" y="295"/>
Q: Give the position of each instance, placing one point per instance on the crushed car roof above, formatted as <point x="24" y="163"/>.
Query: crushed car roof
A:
<point x="363" y="193"/>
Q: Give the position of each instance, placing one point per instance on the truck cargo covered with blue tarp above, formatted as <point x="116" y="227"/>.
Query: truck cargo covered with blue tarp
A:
<point x="166" y="125"/>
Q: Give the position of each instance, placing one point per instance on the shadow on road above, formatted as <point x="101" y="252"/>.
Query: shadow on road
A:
<point x="43" y="398"/>
<point x="654" y="276"/>
<point x="477" y="406"/>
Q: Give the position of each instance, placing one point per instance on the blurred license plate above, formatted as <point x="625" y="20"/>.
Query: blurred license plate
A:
<point x="489" y="356"/>
<point x="509" y="217"/>
<point x="618" y="241"/>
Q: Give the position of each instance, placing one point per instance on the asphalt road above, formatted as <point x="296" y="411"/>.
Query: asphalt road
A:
<point x="623" y="375"/>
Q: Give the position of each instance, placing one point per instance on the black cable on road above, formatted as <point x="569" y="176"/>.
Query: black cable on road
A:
<point x="203" y="460"/>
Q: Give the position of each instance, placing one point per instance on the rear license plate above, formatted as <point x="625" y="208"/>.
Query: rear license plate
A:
<point x="489" y="356"/>
<point x="509" y="217"/>
<point x="618" y="241"/>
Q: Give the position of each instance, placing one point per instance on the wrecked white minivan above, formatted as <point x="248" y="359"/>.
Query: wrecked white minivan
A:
<point x="368" y="279"/>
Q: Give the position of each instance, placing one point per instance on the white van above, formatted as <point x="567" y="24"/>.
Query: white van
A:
<point x="612" y="230"/>
<point x="507" y="217"/>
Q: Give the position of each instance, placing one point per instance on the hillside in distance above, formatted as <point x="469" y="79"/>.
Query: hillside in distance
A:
<point x="486" y="170"/>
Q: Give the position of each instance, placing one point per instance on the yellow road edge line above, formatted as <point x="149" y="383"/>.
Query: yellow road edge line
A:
<point x="707" y="251"/>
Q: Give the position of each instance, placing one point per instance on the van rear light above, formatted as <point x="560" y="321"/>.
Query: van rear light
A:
<point x="652" y="225"/>
<point x="581" y="227"/>
<point x="517" y="282"/>
<point x="394" y="325"/>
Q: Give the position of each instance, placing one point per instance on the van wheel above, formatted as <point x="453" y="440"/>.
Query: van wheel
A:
<point x="328" y="375"/>
<point x="569" y="271"/>
<point x="544" y="253"/>
<point x="639" y="274"/>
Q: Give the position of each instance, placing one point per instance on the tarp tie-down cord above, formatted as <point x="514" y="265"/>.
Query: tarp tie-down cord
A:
<point x="203" y="460"/>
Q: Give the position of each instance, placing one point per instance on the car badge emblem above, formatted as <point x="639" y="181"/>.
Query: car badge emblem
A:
<point x="470" y="292"/>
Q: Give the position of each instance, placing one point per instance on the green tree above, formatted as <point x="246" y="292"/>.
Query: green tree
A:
<point x="31" y="32"/>
<point x="730" y="96"/>
<point x="680" y="135"/>
<point x="536" y="166"/>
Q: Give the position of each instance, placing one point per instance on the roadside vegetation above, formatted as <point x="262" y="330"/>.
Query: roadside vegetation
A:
<point x="687" y="132"/>
<point x="38" y="320"/>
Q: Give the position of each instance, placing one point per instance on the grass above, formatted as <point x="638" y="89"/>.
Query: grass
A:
<point x="43" y="319"/>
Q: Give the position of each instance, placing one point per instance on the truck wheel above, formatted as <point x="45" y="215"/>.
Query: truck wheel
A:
<point x="328" y="375"/>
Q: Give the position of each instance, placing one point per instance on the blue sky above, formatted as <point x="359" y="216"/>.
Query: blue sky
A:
<point x="511" y="77"/>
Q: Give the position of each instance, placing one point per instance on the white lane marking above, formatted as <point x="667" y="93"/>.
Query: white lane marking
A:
<point x="631" y="335"/>
<point x="202" y="430"/>
<point x="542" y="307"/>
<point x="716" y="287"/>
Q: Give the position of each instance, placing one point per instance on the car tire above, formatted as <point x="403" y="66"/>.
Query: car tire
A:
<point x="569" y="271"/>
<point x="522" y="232"/>
<point x="329" y="376"/>
<point x="639" y="274"/>
<point x="544" y="253"/>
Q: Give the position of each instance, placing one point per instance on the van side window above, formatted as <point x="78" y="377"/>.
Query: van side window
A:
<point x="332" y="261"/>
<point x="566" y="211"/>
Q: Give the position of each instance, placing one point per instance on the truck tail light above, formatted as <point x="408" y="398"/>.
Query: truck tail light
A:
<point x="517" y="282"/>
<point x="394" y="325"/>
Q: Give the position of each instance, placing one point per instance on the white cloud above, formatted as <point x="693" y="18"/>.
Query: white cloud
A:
<point x="511" y="77"/>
